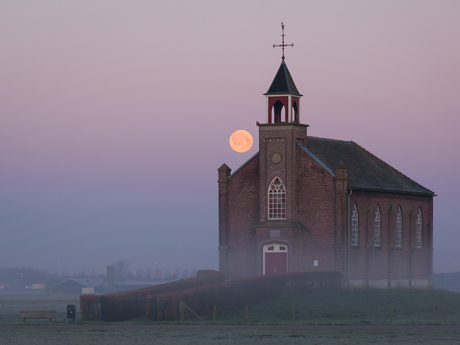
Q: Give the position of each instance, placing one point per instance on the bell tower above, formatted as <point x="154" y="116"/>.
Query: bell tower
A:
<point x="278" y="234"/>
<point x="278" y="138"/>
<point x="283" y="98"/>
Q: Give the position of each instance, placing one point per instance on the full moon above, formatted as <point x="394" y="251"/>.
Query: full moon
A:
<point x="241" y="141"/>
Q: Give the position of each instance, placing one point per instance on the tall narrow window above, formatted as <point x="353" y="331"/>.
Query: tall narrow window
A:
<point x="277" y="199"/>
<point x="399" y="227"/>
<point x="419" y="229"/>
<point x="354" y="226"/>
<point x="377" y="227"/>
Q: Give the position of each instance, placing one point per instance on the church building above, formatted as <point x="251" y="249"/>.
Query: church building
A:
<point x="304" y="203"/>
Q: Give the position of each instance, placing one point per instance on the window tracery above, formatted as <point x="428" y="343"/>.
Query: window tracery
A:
<point x="277" y="199"/>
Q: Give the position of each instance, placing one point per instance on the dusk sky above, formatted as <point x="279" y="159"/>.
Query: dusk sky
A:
<point x="115" y="115"/>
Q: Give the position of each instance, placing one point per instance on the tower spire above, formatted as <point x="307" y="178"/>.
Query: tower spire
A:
<point x="283" y="45"/>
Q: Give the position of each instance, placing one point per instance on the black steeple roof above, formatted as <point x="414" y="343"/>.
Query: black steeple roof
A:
<point x="283" y="82"/>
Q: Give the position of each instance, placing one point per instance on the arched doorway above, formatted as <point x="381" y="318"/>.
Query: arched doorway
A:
<point x="278" y="112"/>
<point x="275" y="259"/>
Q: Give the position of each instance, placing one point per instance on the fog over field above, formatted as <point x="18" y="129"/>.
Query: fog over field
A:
<point x="115" y="115"/>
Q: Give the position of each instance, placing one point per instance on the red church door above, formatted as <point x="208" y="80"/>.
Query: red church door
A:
<point x="275" y="259"/>
<point x="275" y="263"/>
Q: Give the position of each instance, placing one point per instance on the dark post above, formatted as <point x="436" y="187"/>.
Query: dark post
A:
<point x="161" y="306"/>
<point x="153" y="307"/>
<point x="71" y="313"/>
<point x="223" y="174"/>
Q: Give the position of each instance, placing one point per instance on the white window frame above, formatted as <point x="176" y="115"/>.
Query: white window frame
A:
<point x="354" y="226"/>
<point x="377" y="227"/>
<point x="277" y="194"/>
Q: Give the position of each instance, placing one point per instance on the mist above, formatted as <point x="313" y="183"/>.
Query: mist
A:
<point x="114" y="116"/>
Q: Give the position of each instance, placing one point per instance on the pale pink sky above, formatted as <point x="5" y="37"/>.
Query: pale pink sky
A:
<point x="115" y="115"/>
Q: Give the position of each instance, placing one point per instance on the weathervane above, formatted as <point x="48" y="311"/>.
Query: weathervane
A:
<point x="282" y="45"/>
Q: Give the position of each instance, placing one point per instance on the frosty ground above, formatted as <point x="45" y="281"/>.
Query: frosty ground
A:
<point x="230" y="334"/>
<point x="342" y="317"/>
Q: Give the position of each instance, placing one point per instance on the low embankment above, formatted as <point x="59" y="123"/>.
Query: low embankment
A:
<point x="203" y="294"/>
<point x="130" y="304"/>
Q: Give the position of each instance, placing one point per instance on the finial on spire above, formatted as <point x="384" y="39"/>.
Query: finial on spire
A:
<point x="282" y="45"/>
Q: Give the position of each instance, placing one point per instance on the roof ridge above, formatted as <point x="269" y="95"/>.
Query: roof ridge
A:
<point x="343" y="141"/>
<point x="286" y="75"/>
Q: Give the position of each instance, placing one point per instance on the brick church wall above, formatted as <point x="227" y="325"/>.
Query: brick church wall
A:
<point x="388" y="264"/>
<point x="315" y="210"/>
<point x="243" y="211"/>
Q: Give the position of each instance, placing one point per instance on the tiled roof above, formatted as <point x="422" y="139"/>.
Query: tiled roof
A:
<point x="365" y="171"/>
<point x="304" y="149"/>
<point x="283" y="82"/>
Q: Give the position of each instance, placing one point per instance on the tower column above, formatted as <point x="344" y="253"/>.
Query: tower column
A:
<point x="289" y="109"/>
<point x="342" y="221"/>
<point x="223" y="174"/>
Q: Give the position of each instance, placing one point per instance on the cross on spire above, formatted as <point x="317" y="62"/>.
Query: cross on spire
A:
<point x="282" y="45"/>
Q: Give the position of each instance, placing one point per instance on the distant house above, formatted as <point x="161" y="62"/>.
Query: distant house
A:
<point x="75" y="286"/>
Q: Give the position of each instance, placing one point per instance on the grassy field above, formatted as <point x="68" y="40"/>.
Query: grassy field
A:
<point x="11" y="305"/>
<point x="353" y="307"/>
<point x="348" y="307"/>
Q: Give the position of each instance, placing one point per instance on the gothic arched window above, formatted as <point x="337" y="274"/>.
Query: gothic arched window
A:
<point x="377" y="227"/>
<point x="419" y="229"/>
<point x="354" y="226"/>
<point x="277" y="199"/>
<point x="398" y="236"/>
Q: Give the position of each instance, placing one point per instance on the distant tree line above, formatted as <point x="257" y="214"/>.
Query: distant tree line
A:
<point x="18" y="278"/>
<point x="122" y="271"/>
